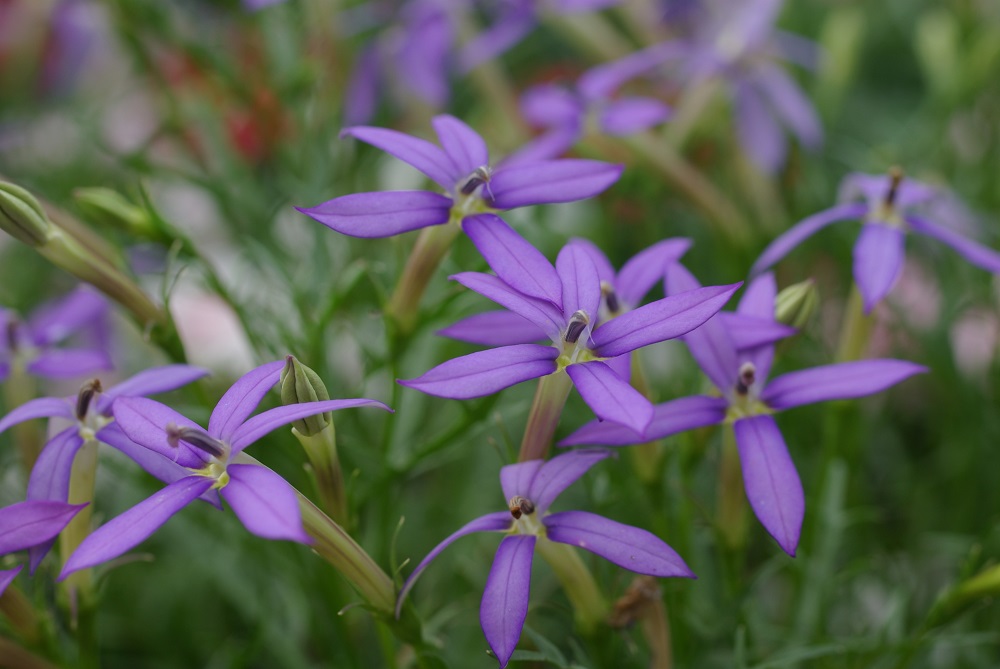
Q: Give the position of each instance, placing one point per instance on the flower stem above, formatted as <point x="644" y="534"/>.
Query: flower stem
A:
<point x="550" y="398"/>
<point x="16" y="657"/>
<point x="732" y="507"/>
<point x="430" y="250"/>
<point x="592" y="32"/>
<point x="19" y="389"/>
<point x="589" y="606"/>
<point x="78" y="585"/>
<point x="856" y="329"/>
<point x="646" y="458"/>
<point x="321" y="449"/>
<point x="18" y="610"/>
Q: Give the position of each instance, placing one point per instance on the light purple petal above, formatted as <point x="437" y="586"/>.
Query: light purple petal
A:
<point x="549" y="105"/>
<point x="551" y="181"/>
<point x="974" y="252"/>
<point x="502" y="35"/>
<point x="519" y="264"/>
<point x="361" y="96"/>
<point x="382" y="214"/>
<point x="7" y="577"/>
<point x="545" y="147"/>
<point x="747" y="332"/>
<point x="581" y="285"/>
<point x="422" y="60"/>
<point x="557" y="474"/>
<point x="846" y="380"/>
<point x="131" y="528"/>
<point x="419" y="153"/>
<point x="261" y="424"/>
<point x="758" y="298"/>
<point x="494" y="328"/>
<point x="771" y="480"/>
<point x="603" y="80"/>
<point x="605" y="271"/>
<point x="540" y="312"/>
<point x="630" y="115"/>
<point x="463" y="145"/>
<point x="878" y="262"/>
<point x="241" y="399"/>
<point x="621" y="365"/>
<point x="660" y="320"/>
<point x="492" y="522"/>
<point x="628" y="547"/>
<point x="486" y="372"/>
<point x="516" y="479"/>
<point x="686" y="413"/>
<point x="49" y="479"/>
<point x="505" y="599"/>
<point x="152" y="381"/>
<point x="61" y="363"/>
<point x="791" y="105"/>
<point x="26" y="524"/>
<point x="144" y="421"/>
<point x="804" y="229"/>
<point x="265" y="503"/>
<point x="60" y="318"/>
<point x="609" y="396"/>
<point x="759" y="133"/>
<point x="42" y="407"/>
<point x="572" y="6"/>
<point x="644" y="269"/>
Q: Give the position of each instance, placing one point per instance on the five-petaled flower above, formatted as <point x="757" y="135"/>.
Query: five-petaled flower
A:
<point x="748" y="400"/>
<point x="530" y="488"/>
<point x="28" y="524"/>
<point x="263" y="501"/>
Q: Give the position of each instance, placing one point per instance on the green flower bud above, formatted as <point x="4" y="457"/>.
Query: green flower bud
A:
<point x="300" y="384"/>
<point x="22" y="217"/>
<point x="797" y="304"/>
<point x="108" y="207"/>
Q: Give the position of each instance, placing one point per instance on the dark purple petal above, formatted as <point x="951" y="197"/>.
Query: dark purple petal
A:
<point x="846" y="380"/>
<point x="419" y="153"/>
<point x="494" y="328"/>
<point x="49" y="479"/>
<point x="60" y="318"/>
<point x="492" y="522"/>
<point x="878" y="261"/>
<point x="7" y="577"/>
<point x="540" y="312"/>
<point x="64" y="363"/>
<point x="603" y="80"/>
<point x="759" y="132"/>
<point x="771" y="481"/>
<point x="804" y="229"/>
<point x="144" y="421"/>
<point x="42" y="407"/>
<point x="758" y="298"/>
<point x="791" y="105"/>
<point x="551" y="181"/>
<point x="581" y="285"/>
<point x="241" y="399"/>
<point x="131" y="528"/>
<point x="261" y="424"/>
<point x="647" y="267"/>
<point x="382" y="214"/>
<point x="557" y="474"/>
<point x="519" y="264"/>
<point x="516" y="479"/>
<point x="975" y="253"/>
<point x="486" y="372"/>
<point x="463" y="145"/>
<point x="265" y="503"/>
<point x="628" y="547"/>
<point x="630" y="115"/>
<point x="152" y="381"/>
<point x="505" y="599"/>
<point x="686" y="413"/>
<point x="26" y="524"/>
<point x="610" y="396"/>
<point x="660" y="320"/>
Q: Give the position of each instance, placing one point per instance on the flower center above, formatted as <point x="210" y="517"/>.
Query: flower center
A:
<point x="610" y="299"/>
<point x="85" y="397"/>
<point x="197" y="438"/>
<point x="748" y="374"/>
<point x="520" y="506"/>
<point x="885" y="211"/>
<point x="526" y="521"/>
<point x="472" y="194"/>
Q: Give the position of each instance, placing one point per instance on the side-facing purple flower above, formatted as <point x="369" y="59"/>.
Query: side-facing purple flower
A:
<point x="530" y="488"/>
<point x="28" y="524"/>
<point x="263" y="501"/>
<point x="460" y="166"/>
<point x="564" y="303"/>
<point x="889" y="206"/>
<point x="748" y="400"/>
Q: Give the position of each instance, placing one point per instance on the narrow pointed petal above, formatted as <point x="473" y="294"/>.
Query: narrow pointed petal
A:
<point x="550" y="145"/>
<point x="673" y="417"/>
<point x="621" y="365"/>
<point x="540" y="312"/>
<point x="771" y="480"/>
<point x="628" y="547"/>
<point x="59" y="319"/>
<point x="609" y="396"/>
<point x="559" y="473"/>
<point x="630" y="115"/>
<point x="791" y="105"/>
<point x="505" y="32"/>
<point x="758" y="298"/>
<point x="241" y="399"/>
<point x="270" y="420"/>
<point x="25" y="524"/>
<point x="124" y="532"/>
<point x="463" y="145"/>
<point x="362" y="94"/>
<point x="505" y="599"/>
<point x="804" y="229"/>
<point x="423" y="58"/>
<point x="605" y="271"/>
<point x="492" y="522"/>
<point x="265" y="503"/>
<point x="974" y="252"/>
<point x="42" y="407"/>
<point x="144" y="421"/>
<point x="419" y="153"/>
<point x="516" y="479"/>
<point x="660" y="320"/>
<point x="878" y="262"/>
<point x="152" y="381"/>
<point x="602" y="81"/>
<point x="550" y="182"/>
<point x="759" y="133"/>
<point x="519" y="264"/>
<point x="62" y="363"/>
<point x="550" y="105"/>
<point x="486" y="372"/>
<point x="646" y="268"/>
<point x="383" y="214"/>
<point x="846" y="380"/>
<point x="49" y="479"/>
<point x="7" y="577"/>
<point x="494" y="328"/>
<point x="747" y="332"/>
<point x="581" y="285"/>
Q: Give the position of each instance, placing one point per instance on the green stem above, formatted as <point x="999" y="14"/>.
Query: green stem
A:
<point x="656" y="629"/>
<point x="430" y="250"/>
<point x="13" y="656"/>
<point x="592" y="32"/>
<point x="550" y="398"/>
<point x="18" y="610"/>
<point x="589" y="607"/>
<point x="20" y="388"/>
<point x="78" y="586"/>
<point x="732" y="507"/>
<point x="856" y="329"/>
<point x="321" y="449"/>
<point x="646" y="458"/>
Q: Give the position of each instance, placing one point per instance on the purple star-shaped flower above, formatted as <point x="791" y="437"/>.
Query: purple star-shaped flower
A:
<point x="564" y="303"/>
<point x="890" y="205"/>
<point x="28" y="524"/>
<point x="263" y="501"/>
<point x="33" y="343"/>
<point x="748" y="400"/>
<point x="530" y="489"/>
<point x="462" y="168"/>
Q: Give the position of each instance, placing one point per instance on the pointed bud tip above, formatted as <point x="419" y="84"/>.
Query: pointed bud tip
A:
<point x="22" y="217"/>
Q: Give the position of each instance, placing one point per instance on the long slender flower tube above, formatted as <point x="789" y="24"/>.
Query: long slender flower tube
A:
<point x="888" y="206"/>
<point x="747" y="401"/>
<point x="530" y="488"/>
<point x="563" y="302"/>
<point x="28" y="524"/>
<point x="263" y="501"/>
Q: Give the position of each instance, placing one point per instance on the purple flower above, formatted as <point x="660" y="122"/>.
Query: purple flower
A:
<point x="263" y="501"/>
<point x="889" y="206"/>
<point x="33" y="343"/>
<point x="563" y="302"/>
<point x="461" y="167"/>
<point x="748" y="400"/>
<point x="530" y="489"/>
<point x="28" y="524"/>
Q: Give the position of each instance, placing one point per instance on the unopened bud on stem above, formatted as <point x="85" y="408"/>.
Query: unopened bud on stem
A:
<point x="300" y="384"/>
<point x="797" y="304"/>
<point x="21" y="216"/>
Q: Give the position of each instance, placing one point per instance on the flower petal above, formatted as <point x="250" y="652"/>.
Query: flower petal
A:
<point x="494" y="328"/>
<point x="550" y="182"/>
<point x="505" y="32"/>
<point x="804" y="229"/>
<point x="7" y="577"/>
<point x="605" y="271"/>
<point x="680" y="415"/>
<point x="241" y="399"/>
<point x="846" y="380"/>
<point x="152" y="381"/>
<point x="514" y="259"/>
<point x="550" y="105"/>
<point x="878" y="261"/>
<point x="540" y="312"/>
<point x="758" y="298"/>
<point x="974" y="252"/>
<point x="771" y="481"/>
<point x="382" y="214"/>
<point x="486" y="372"/>
<point x="270" y="420"/>
<point x="581" y="285"/>
<point x="505" y="599"/>
<point x="609" y="396"/>
<point x="265" y="503"/>
<point x="630" y="115"/>
<point x="49" y="479"/>
<point x="759" y="133"/>
<point x="57" y="320"/>
<point x="63" y="363"/>
<point x="419" y="153"/>
<point x="747" y="332"/>
<point x="603" y="80"/>
<point x="144" y="421"/>
<point x="516" y="479"/>
<point x="557" y="474"/>
<point x="422" y="60"/>
<point x="791" y="105"/>
<point x="361" y="96"/>
<point x="644" y="269"/>
<point x="42" y="407"/>
<point x="463" y="145"/>
<point x="26" y="524"/>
